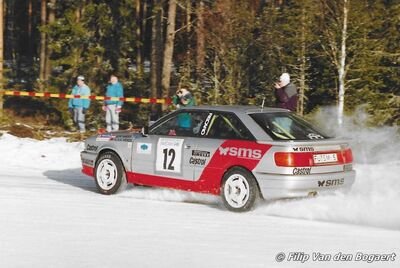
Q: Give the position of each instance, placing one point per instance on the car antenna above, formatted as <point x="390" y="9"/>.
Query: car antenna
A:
<point x="262" y="104"/>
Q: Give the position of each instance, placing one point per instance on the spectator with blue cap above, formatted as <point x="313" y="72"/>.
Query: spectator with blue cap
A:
<point x="78" y="106"/>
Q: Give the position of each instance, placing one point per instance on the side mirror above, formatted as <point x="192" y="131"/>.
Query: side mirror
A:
<point x="145" y="130"/>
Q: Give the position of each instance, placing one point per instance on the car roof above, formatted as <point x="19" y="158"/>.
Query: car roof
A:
<point x="244" y="109"/>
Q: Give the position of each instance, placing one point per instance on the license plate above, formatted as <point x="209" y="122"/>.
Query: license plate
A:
<point x="325" y="158"/>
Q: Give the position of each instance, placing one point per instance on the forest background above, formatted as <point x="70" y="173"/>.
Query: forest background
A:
<point x="343" y="53"/>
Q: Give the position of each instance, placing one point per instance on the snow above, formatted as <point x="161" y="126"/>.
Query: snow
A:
<point x="52" y="216"/>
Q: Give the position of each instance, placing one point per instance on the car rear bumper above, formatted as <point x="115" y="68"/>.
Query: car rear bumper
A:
<point x="275" y="186"/>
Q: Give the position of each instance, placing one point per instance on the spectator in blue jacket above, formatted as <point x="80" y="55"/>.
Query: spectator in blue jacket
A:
<point x="78" y="107"/>
<point x="113" y="107"/>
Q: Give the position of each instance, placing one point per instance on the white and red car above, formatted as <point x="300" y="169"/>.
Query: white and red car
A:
<point x="239" y="152"/>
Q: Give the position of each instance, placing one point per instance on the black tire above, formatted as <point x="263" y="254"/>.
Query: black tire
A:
<point x="109" y="174"/>
<point x="239" y="190"/>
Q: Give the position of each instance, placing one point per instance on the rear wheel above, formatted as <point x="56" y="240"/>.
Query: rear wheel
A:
<point x="109" y="174"/>
<point x="239" y="190"/>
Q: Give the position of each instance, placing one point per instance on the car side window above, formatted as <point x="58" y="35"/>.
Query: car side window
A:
<point x="181" y="124"/>
<point x="227" y="126"/>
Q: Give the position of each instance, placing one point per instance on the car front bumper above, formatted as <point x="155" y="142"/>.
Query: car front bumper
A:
<point x="88" y="162"/>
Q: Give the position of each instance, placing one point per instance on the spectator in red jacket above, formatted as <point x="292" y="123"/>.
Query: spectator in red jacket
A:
<point x="286" y="93"/>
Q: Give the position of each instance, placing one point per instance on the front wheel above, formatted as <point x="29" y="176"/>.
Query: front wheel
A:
<point x="109" y="174"/>
<point x="239" y="190"/>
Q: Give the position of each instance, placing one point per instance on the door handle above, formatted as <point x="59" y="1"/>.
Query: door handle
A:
<point x="187" y="146"/>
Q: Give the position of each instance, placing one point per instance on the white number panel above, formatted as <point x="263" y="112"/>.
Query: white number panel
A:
<point x="169" y="155"/>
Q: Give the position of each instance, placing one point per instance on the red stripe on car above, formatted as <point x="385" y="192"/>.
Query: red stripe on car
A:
<point x="231" y="153"/>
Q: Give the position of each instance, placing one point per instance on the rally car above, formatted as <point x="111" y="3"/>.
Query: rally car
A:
<point x="242" y="153"/>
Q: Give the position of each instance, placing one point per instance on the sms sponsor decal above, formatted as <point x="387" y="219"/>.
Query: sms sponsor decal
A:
<point x="303" y="149"/>
<point x="240" y="152"/>
<point x="327" y="183"/>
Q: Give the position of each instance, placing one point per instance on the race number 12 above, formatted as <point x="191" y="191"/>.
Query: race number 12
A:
<point x="169" y="155"/>
<point x="169" y="158"/>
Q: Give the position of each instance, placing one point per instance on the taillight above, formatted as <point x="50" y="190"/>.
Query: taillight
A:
<point x="347" y="156"/>
<point x="287" y="159"/>
<point x="308" y="159"/>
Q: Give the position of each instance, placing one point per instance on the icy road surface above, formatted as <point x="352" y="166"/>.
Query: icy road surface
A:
<point x="52" y="216"/>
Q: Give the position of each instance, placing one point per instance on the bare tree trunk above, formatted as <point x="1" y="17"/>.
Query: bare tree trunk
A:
<point x="156" y="49"/>
<point x="144" y="25"/>
<point x="139" y="40"/>
<point x="188" y="15"/>
<point x="1" y="53"/>
<point x="30" y="35"/>
<point x="300" y="106"/>
<point x="51" y="19"/>
<point x="342" y="64"/>
<point x="30" y="19"/>
<point x="200" y="46"/>
<point x="42" y="65"/>
<point x="168" y="49"/>
<point x="216" y="79"/>
<point x="10" y="40"/>
<point x="77" y="51"/>
<point x="188" y="69"/>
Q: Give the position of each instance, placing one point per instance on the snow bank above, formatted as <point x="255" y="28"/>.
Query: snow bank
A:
<point x="25" y="154"/>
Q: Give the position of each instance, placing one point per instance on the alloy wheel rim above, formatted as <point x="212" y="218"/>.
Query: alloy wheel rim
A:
<point x="237" y="191"/>
<point x="107" y="174"/>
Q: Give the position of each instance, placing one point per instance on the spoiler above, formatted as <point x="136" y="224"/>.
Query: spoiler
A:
<point x="316" y="142"/>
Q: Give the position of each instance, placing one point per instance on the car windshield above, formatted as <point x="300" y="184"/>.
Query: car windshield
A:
<point x="287" y="126"/>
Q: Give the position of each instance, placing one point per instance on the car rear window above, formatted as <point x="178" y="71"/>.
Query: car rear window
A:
<point x="287" y="126"/>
